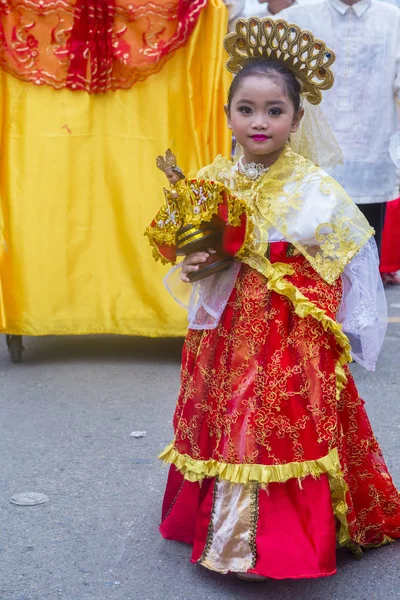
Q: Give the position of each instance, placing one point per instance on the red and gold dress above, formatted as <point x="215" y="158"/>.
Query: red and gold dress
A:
<point x="274" y="461"/>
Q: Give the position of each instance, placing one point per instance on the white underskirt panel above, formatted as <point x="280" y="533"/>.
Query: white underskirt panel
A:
<point x="233" y="528"/>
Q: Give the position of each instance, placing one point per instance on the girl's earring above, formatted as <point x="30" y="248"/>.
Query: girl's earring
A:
<point x="233" y="147"/>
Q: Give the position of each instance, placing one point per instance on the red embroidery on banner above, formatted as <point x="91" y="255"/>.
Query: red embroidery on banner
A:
<point x="92" y="45"/>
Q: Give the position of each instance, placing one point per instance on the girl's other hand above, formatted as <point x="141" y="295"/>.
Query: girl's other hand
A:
<point x="192" y="263"/>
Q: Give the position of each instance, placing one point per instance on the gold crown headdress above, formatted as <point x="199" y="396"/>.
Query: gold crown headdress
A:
<point x="168" y="163"/>
<point x="297" y="49"/>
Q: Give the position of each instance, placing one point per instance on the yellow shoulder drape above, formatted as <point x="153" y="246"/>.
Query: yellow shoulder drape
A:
<point x="79" y="185"/>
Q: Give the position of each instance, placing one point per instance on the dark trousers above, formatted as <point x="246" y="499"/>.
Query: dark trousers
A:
<point x="375" y="215"/>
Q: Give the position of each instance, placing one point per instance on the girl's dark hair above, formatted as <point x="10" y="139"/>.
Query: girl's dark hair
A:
<point x="273" y="70"/>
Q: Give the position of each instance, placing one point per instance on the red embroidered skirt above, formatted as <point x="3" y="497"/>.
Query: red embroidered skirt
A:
<point x="259" y="396"/>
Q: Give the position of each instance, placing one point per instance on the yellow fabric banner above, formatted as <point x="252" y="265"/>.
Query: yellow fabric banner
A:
<point x="79" y="185"/>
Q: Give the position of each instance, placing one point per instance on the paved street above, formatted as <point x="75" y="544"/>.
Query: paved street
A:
<point x="66" y="417"/>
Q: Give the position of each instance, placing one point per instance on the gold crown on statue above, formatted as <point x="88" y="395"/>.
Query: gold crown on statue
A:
<point x="297" y="49"/>
<point x="168" y="162"/>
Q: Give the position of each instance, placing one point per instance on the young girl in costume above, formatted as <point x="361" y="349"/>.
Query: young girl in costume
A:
<point x="274" y="461"/>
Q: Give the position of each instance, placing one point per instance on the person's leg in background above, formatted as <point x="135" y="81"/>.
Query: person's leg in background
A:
<point x="375" y="215"/>
<point x="390" y="249"/>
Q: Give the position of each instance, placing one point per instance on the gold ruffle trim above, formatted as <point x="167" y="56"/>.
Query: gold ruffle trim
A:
<point x="196" y="470"/>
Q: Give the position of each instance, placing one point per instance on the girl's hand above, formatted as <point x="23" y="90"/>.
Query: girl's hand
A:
<point x="192" y="263"/>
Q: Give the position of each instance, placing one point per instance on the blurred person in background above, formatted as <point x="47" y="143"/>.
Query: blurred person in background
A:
<point x="265" y="8"/>
<point x="255" y="8"/>
<point x="390" y="251"/>
<point x="235" y="10"/>
<point x="362" y="106"/>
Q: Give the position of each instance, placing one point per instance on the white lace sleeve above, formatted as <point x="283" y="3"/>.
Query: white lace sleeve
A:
<point x="363" y="311"/>
<point x="208" y="297"/>
<point x="174" y="285"/>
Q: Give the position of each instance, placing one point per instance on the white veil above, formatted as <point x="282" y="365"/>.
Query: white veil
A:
<point x="315" y="139"/>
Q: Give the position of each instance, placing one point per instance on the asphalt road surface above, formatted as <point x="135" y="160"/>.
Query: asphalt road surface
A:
<point x="67" y="413"/>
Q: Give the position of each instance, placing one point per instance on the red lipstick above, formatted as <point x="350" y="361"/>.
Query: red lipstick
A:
<point x="259" y="137"/>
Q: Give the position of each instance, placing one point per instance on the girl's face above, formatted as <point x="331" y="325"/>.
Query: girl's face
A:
<point x="262" y="118"/>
